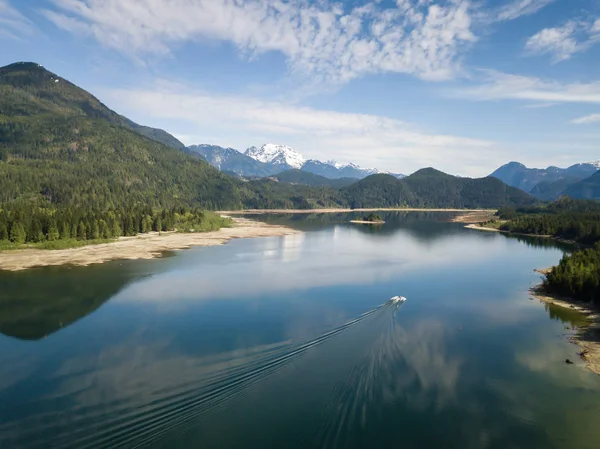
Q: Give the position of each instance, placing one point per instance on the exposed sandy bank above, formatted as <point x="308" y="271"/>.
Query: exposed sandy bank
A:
<point x="484" y="228"/>
<point x="335" y="211"/>
<point x="477" y="216"/>
<point x="146" y="246"/>
<point x="586" y="337"/>
<point x="367" y="222"/>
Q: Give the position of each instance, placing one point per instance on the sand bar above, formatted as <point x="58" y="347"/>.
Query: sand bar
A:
<point x="144" y="246"/>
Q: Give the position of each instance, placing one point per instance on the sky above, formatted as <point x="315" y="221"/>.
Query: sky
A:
<point x="460" y="85"/>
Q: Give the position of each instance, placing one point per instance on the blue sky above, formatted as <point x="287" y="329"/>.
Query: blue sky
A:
<point x="460" y="85"/>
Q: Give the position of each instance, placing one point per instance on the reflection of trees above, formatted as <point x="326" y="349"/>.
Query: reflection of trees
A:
<point x="36" y="303"/>
<point x="564" y="315"/>
<point x="424" y="226"/>
<point x="542" y="242"/>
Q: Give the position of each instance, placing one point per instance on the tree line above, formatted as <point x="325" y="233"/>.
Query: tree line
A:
<point x="27" y="223"/>
<point x="578" y="274"/>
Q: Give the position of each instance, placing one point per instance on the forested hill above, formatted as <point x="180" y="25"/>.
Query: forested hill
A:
<point x="29" y="89"/>
<point x="58" y="143"/>
<point x="60" y="146"/>
<point x="431" y="188"/>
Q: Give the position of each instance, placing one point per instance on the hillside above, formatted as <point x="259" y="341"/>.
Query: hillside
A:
<point x="232" y="161"/>
<point x="59" y="145"/>
<point x="545" y="184"/>
<point x="379" y="191"/>
<point x="310" y="179"/>
<point x="431" y="188"/>
<point x="588" y="188"/>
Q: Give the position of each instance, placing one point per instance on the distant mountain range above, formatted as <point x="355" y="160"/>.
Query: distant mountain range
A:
<point x="552" y="182"/>
<point x="271" y="159"/>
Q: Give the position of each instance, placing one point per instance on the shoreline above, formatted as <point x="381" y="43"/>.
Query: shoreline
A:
<point x="587" y="337"/>
<point x="342" y="210"/>
<point x="379" y="222"/>
<point x="144" y="246"/>
<point x="501" y="231"/>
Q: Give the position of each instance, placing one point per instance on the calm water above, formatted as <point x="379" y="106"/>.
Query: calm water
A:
<point x="289" y="342"/>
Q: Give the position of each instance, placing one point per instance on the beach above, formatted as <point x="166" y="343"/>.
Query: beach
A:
<point x="587" y="337"/>
<point x="143" y="246"/>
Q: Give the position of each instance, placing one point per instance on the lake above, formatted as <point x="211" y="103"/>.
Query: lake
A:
<point x="292" y="342"/>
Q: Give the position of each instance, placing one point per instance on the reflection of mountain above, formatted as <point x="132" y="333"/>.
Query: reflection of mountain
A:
<point x="36" y="303"/>
<point x="425" y="226"/>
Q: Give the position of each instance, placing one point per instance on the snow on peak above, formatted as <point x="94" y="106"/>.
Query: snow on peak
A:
<point x="276" y="154"/>
<point x="596" y="164"/>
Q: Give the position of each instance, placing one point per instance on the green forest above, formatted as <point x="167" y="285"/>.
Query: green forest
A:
<point x="49" y="227"/>
<point x="578" y="274"/>
<point x="72" y="171"/>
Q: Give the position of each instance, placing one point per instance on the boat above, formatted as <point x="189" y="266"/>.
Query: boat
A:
<point x="398" y="299"/>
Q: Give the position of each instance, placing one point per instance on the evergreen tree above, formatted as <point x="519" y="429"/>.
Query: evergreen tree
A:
<point x="157" y="224"/>
<point x="95" y="230"/>
<point x="81" y="231"/>
<point x="17" y="233"/>
<point x="65" y="232"/>
<point x="3" y="231"/>
<point x="53" y="232"/>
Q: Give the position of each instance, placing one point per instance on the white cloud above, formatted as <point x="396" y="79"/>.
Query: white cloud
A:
<point x="518" y="8"/>
<point x="369" y="140"/>
<point x="564" y="41"/>
<point x="12" y="22"/>
<point x="560" y="42"/>
<point x="593" y="118"/>
<point x="502" y="86"/>
<point x="321" y="39"/>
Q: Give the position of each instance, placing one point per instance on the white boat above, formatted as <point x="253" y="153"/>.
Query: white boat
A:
<point x="398" y="299"/>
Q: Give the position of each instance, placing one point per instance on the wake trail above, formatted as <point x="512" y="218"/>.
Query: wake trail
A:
<point x="172" y="409"/>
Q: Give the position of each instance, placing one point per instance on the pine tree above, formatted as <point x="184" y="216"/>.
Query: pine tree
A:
<point x="81" y="231"/>
<point x="95" y="230"/>
<point x="17" y="233"/>
<point x="52" y="232"/>
<point x="157" y="224"/>
<point x="65" y="232"/>
<point x="3" y="231"/>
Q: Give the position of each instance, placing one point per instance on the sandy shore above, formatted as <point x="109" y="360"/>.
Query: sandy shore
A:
<point x="146" y="246"/>
<point x="586" y="337"/>
<point x="335" y="211"/>
<point x="483" y="228"/>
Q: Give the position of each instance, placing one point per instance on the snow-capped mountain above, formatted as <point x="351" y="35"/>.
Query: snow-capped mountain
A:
<point x="595" y="164"/>
<point x="271" y="159"/>
<point x="271" y="153"/>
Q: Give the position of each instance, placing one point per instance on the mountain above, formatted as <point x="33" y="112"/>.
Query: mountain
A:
<point x="546" y="184"/>
<point x="296" y="176"/>
<point x="271" y="159"/>
<point x="431" y="188"/>
<point x="332" y="169"/>
<point x="58" y="143"/>
<point x="434" y="187"/>
<point x="588" y="188"/>
<point x="35" y="89"/>
<point x="232" y="161"/>
<point x="278" y="155"/>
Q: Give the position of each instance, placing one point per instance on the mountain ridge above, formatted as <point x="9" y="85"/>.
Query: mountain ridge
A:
<point x="544" y="183"/>
<point x="275" y="159"/>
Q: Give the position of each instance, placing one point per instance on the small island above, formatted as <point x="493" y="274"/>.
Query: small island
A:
<point x="372" y="218"/>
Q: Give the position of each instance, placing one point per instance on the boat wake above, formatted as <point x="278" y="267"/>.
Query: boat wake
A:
<point x="208" y="391"/>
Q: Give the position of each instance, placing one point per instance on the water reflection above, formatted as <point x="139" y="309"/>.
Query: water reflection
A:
<point x="36" y="303"/>
<point x="232" y="346"/>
